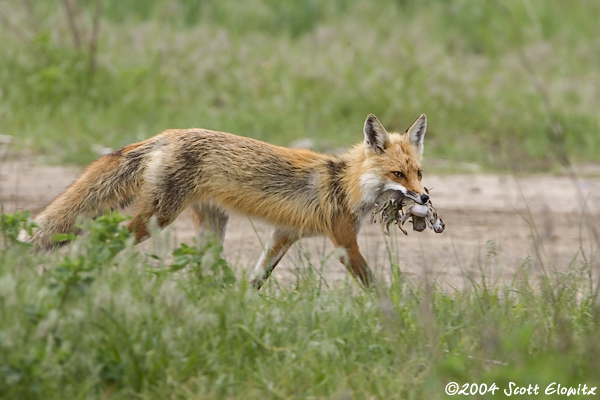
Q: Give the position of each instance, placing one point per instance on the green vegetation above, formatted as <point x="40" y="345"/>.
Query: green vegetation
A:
<point x="509" y="85"/>
<point x="102" y="320"/>
<point x="280" y="71"/>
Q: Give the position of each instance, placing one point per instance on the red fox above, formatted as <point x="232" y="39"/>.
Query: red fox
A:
<point x="300" y="192"/>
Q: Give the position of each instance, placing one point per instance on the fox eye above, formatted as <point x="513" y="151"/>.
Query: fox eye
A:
<point x="399" y="174"/>
<point x="420" y="173"/>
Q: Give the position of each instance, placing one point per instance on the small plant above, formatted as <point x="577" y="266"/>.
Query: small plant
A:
<point x="202" y="259"/>
<point x="105" y="238"/>
<point x="11" y="225"/>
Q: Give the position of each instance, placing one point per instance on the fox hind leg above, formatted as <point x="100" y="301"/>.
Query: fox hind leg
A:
<point x="210" y="218"/>
<point x="164" y="208"/>
<point x="139" y="224"/>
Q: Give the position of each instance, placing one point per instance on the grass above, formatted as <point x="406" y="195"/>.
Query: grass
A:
<point x="282" y="71"/>
<point x="103" y="320"/>
<point x="506" y="85"/>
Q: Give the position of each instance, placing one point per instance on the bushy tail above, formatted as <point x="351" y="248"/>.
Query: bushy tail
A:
<point x="108" y="183"/>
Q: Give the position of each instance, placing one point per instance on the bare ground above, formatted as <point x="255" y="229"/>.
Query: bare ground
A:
<point x="493" y="224"/>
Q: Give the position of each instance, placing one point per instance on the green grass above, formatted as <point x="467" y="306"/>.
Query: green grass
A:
<point x="103" y="320"/>
<point x="280" y="71"/>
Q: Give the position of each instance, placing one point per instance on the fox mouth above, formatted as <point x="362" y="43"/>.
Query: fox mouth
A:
<point x="422" y="199"/>
<point x="416" y="197"/>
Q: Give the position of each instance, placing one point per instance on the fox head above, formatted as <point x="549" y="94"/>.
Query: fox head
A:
<point x="394" y="160"/>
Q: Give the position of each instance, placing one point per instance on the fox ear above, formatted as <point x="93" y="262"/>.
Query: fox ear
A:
<point x="416" y="133"/>
<point x="376" y="137"/>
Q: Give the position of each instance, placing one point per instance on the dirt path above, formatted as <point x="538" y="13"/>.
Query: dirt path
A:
<point x="486" y="216"/>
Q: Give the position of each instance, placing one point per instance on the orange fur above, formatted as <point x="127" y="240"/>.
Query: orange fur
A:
<point x="300" y="192"/>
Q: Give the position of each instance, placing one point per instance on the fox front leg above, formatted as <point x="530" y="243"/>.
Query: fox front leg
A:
<point x="344" y="236"/>
<point x="278" y="244"/>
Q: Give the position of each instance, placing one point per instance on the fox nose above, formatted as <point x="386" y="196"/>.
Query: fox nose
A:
<point x="424" y="198"/>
